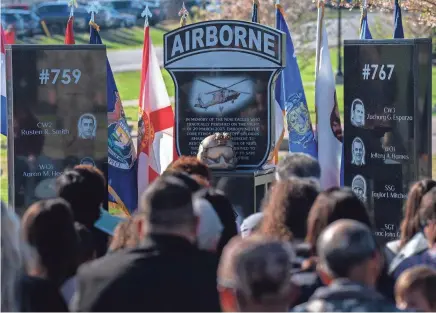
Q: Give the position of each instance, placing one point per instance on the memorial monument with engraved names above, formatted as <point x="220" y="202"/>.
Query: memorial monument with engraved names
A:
<point x="58" y="116"/>
<point x="224" y="73"/>
<point x="387" y="112"/>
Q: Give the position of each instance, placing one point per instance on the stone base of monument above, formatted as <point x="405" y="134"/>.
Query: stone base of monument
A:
<point x="245" y="189"/>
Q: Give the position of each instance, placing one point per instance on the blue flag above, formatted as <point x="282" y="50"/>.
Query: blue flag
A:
<point x="289" y="94"/>
<point x="122" y="169"/>
<point x="254" y="16"/>
<point x="364" y="28"/>
<point x="398" y="21"/>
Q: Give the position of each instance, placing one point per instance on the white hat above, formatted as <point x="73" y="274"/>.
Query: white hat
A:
<point x="210" y="226"/>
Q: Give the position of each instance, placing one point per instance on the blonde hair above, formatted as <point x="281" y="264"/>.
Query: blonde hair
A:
<point x="419" y="278"/>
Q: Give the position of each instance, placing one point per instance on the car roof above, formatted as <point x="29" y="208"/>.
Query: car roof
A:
<point x="16" y="11"/>
<point x="43" y="4"/>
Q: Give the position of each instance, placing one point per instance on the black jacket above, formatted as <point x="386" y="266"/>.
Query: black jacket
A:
<point x="167" y="274"/>
<point x="40" y="295"/>
<point x="346" y="296"/>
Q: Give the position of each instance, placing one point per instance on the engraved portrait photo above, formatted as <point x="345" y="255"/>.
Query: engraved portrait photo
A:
<point x="358" y="185"/>
<point x="87" y="161"/>
<point x="357" y="113"/>
<point x="87" y="126"/>
<point x="358" y="152"/>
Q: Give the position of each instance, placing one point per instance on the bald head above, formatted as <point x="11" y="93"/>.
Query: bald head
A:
<point x="344" y="245"/>
<point x="259" y="268"/>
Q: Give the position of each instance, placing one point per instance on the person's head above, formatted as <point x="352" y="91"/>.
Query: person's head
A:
<point x="254" y="275"/>
<point x="415" y="289"/>
<point x="190" y="165"/>
<point x="427" y="217"/>
<point x="297" y="164"/>
<point x="48" y="227"/>
<point x="209" y="226"/>
<point x="86" y="243"/>
<point x="287" y="207"/>
<point x="251" y="224"/>
<point x="14" y="254"/>
<point x="358" y="112"/>
<point x="187" y="180"/>
<point x="84" y="187"/>
<point x="348" y="249"/>
<point x="125" y="235"/>
<point x="330" y="206"/>
<point x="87" y="126"/>
<point x="166" y="208"/>
<point x="410" y="223"/>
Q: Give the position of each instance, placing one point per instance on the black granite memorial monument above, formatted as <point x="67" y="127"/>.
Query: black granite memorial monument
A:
<point x="57" y="116"/>
<point x="387" y="114"/>
<point x="223" y="73"/>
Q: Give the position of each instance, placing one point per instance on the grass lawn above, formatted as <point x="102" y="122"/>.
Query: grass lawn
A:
<point x="128" y="84"/>
<point x="114" y="39"/>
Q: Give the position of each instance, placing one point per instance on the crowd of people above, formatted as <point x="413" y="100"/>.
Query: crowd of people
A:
<point x="185" y="250"/>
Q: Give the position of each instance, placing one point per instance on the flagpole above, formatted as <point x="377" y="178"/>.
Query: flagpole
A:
<point x="364" y="12"/>
<point x="319" y="35"/>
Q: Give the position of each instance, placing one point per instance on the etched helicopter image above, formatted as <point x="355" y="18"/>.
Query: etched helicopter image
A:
<point x="221" y="96"/>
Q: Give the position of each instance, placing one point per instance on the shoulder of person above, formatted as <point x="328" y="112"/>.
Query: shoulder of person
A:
<point x="417" y="244"/>
<point x="113" y="263"/>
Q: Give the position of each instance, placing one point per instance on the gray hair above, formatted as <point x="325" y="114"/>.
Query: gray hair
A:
<point x="298" y="164"/>
<point x="343" y="245"/>
<point x="258" y="267"/>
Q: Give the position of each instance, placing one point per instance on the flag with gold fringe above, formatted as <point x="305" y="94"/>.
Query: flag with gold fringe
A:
<point x="122" y="168"/>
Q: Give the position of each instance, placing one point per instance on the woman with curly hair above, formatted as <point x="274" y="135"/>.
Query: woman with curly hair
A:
<point x="286" y="208"/>
<point x="412" y="241"/>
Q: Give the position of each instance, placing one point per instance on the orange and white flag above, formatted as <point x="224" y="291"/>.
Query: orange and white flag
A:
<point x="156" y="120"/>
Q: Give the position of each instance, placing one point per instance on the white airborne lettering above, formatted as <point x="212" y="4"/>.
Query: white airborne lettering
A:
<point x="211" y="38"/>
<point x="240" y="35"/>
<point x="197" y="34"/>
<point x="225" y="36"/>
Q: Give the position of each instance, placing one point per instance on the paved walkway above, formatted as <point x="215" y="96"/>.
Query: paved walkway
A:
<point x="130" y="60"/>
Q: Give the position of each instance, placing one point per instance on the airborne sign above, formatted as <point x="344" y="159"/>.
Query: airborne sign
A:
<point x="223" y="73"/>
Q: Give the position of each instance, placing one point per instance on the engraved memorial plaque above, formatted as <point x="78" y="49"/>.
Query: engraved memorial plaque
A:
<point x="387" y="114"/>
<point x="58" y="116"/>
<point x="224" y="73"/>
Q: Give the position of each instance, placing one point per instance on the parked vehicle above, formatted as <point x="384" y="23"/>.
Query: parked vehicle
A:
<point x="135" y="8"/>
<point x="108" y="17"/>
<point x="55" y="15"/>
<point x="17" y="6"/>
<point x="32" y="23"/>
<point x="13" y="19"/>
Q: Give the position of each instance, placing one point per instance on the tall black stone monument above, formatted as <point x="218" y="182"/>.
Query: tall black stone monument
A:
<point x="387" y="131"/>
<point x="224" y="73"/>
<point x="57" y="116"/>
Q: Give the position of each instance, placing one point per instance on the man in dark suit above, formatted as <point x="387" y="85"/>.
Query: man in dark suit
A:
<point x="167" y="273"/>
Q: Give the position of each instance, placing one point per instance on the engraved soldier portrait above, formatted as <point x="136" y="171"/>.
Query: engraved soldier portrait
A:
<point x="357" y="113"/>
<point x="358" y="152"/>
<point x="358" y="185"/>
<point x="87" y="126"/>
